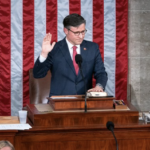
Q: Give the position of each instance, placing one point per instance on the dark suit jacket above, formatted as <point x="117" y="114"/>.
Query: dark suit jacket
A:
<point x="64" y="80"/>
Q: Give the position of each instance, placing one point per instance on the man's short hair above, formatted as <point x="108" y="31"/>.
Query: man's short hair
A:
<point x="6" y="144"/>
<point x="73" y="20"/>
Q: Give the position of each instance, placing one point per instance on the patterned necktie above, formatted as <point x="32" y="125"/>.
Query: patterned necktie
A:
<point x="76" y="67"/>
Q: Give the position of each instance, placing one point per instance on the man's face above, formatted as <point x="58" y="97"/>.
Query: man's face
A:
<point x="71" y="34"/>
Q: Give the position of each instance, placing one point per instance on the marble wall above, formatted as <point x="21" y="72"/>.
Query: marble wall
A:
<point x="139" y="53"/>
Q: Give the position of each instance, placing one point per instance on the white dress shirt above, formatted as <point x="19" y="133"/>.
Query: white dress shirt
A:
<point x="70" y="47"/>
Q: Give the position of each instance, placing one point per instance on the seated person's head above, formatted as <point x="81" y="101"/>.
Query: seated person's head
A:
<point x="6" y="145"/>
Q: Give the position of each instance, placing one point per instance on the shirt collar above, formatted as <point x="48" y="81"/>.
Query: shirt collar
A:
<point x="71" y="45"/>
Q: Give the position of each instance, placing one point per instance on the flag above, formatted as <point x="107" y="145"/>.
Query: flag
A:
<point x="24" y="23"/>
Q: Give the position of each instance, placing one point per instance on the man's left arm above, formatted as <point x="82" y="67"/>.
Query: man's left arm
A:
<point x="99" y="73"/>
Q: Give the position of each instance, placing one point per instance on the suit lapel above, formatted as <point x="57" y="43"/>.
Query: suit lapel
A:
<point x="83" y="54"/>
<point x="65" y="51"/>
<point x="83" y="50"/>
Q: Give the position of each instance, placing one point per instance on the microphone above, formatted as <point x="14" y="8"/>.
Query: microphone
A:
<point x="78" y="59"/>
<point x="110" y="126"/>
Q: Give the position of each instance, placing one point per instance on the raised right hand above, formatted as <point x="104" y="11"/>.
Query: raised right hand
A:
<point x="46" y="45"/>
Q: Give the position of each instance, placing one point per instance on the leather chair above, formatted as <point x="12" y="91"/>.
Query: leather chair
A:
<point x="39" y="88"/>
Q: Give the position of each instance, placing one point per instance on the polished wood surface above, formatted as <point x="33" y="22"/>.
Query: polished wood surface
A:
<point x="78" y="130"/>
<point x="78" y="118"/>
<point x="78" y="103"/>
<point x="130" y="137"/>
<point x="8" y="135"/>
<point x="9" y="120"/>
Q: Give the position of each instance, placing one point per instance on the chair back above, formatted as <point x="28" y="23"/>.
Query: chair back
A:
<point x="39" y="88"/>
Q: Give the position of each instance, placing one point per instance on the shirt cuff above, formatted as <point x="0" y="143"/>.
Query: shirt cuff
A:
<point x="98" y="84"/>
<point x="42" y="59"/>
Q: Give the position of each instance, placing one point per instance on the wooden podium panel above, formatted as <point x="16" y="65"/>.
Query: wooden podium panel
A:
<point x="78" y="118"/>
<point x="75" y="129"/>
<point x="78" y="103"/>
<point x="130" y="137"/>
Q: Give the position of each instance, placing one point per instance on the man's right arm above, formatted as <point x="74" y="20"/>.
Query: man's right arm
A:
<point x="40" y="68"/>
<point x="46" y="45"/>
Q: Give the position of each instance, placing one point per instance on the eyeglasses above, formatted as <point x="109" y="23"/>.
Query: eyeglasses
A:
<point x="78" y="33"/>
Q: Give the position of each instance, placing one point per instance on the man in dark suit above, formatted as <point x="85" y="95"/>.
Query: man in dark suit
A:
<point x="59" y="59"/>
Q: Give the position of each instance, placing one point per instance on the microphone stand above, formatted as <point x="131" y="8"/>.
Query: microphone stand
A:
<point x="110" y="126"/>
<point x="115" y="139"/>
<point x="85" y="107"/>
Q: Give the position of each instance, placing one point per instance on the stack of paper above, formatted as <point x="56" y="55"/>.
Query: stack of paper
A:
<point x="14" y="126"/>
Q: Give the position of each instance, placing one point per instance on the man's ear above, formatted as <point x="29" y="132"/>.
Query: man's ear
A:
<point x="66" y="31"/>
